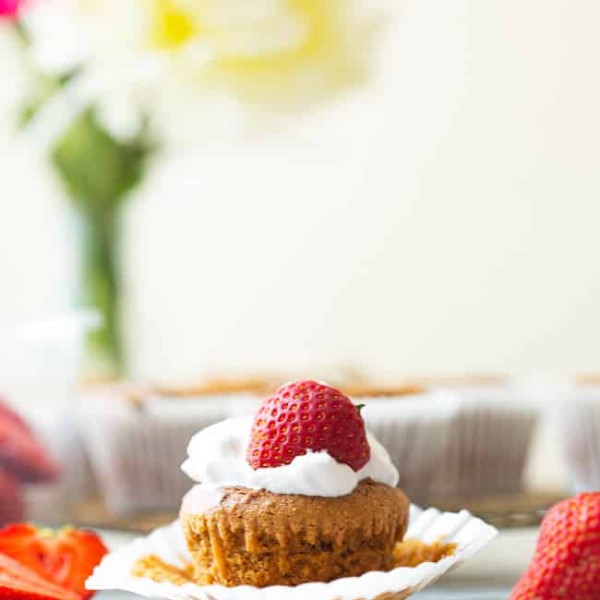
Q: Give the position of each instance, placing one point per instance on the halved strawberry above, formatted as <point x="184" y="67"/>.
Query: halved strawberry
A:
<point x="18" y="582"/>
<point x="66" y="557"/>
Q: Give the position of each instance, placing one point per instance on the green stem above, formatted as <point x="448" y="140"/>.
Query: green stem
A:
<point x="100" y="288"/>
<point x="21" y="34"/>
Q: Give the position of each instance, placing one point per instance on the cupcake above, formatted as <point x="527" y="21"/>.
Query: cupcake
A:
<point x="216" y="386"/>
<point x="367" y="390"/>
<point x="415" y="430"/>
<point x="299" y="493"/>
<point x="457" y="442"/>
<point x="136" y="440"/>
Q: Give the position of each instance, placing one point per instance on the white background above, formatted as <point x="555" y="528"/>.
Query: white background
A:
<point x="444" y="220"/>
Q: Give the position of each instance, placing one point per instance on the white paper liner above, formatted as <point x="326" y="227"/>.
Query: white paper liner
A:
<point x="460" y="443"/>
<point x="578" y="423"/>
<point x="415" y="431"/>
<point x="445" y="443"/>
<point x="488" y="447"/>
<point x="469" y="533"/>
<point x="136" y="454"/>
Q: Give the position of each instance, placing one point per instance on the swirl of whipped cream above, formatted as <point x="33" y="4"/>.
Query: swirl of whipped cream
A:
<point x="217" y="457"/>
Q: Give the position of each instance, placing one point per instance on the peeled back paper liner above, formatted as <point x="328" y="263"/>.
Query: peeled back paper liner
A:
<point x="467" y="532"/>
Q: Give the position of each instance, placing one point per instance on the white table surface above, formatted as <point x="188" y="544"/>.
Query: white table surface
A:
<point x="487" y="576"/>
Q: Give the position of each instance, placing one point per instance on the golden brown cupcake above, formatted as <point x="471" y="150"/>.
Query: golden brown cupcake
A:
<point x="255" y="537"/>
<point x="300" y="493"/>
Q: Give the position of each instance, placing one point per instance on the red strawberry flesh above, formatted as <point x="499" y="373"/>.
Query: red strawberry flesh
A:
<point x="66" y="557"/>
<point x="307" y="416"/>
<point x="18" y="582"/>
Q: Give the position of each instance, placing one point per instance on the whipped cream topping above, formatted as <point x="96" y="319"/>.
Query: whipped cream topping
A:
<point x="217" y="457"/>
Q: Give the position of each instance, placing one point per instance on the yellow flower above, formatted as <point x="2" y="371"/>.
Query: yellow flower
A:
<point x="187" y="67"/>
<point x="171" y="26"/>
<point x="275" y="50"/>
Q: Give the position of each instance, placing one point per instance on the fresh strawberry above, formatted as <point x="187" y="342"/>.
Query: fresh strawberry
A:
<point x="12" y="504"/>
<point x="307" y="416"/>
<point x="66" y="557"/>
<point x="21" y="583"/>
<point x="20" y="450"/>
<point x="566" y="563"/>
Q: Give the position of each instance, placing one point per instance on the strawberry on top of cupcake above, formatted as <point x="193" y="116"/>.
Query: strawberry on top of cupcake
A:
<point x="301" y="492"/>
<point x="314" y="445"/>
<point x="305" y="417"/>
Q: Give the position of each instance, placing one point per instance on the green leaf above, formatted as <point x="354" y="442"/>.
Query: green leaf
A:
<point x="97" y="170"/>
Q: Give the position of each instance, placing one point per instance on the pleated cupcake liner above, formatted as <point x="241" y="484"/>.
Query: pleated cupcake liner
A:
<point x="578" y="424"/>
<point x="487" y="451"/>
<point x="445" y="443"/>
<point x="456" y="443"/>
<point x="136" y="452"/>
<point x="469" y="533"/>
<point x="415" y="431"/>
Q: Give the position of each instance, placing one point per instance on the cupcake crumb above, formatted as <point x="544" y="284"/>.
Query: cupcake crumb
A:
<point x="154" y="568"/>
<point x="411" y="553"/>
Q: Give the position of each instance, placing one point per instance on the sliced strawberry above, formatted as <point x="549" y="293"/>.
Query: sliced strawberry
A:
<point x="18" y="582"/>
<point x="12" y="504"/>
<point x="11" y="590"/>
<point x="15" y="589"/>
<point x="66" y="557"/>
<point x="20" y="450"/>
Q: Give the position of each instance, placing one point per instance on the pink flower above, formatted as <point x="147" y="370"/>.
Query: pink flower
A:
<point x="9" y="9"/>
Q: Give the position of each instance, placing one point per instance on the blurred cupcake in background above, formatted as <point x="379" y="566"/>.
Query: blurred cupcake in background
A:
<point x="578" y="424"/>
<point x="414" y="430"/>
<point x="469" y="439"/>
<point x="365" y="389"/>
<point x="488" y="445"/>
<point x="221" y="385"/>
<point x="587" y="380"/>
<point x="464" y="381"/>
<point x="136" y="438"/>
<point x="136" y="435"/>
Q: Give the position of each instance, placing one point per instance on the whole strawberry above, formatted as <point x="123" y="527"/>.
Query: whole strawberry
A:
<point x="21" y="452"/>
<point x="12" y="500"/>
<point x="307" y="416"/>
<point x="566" y="563"/>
